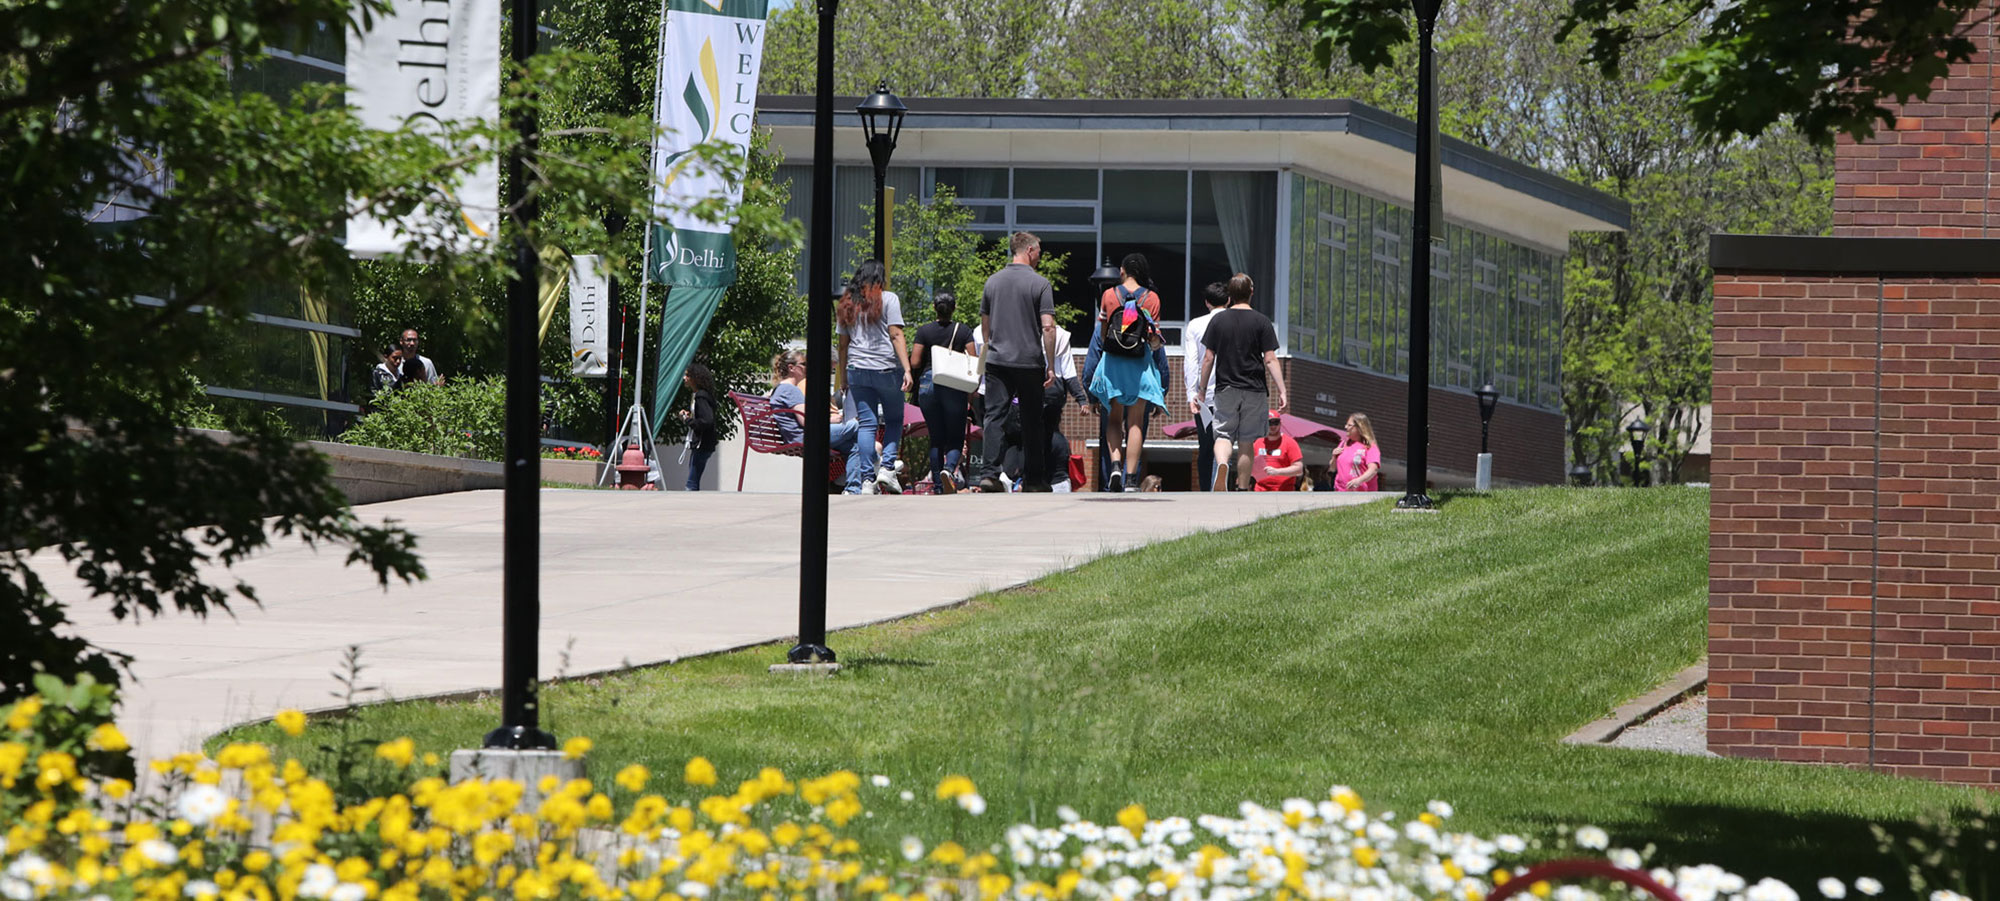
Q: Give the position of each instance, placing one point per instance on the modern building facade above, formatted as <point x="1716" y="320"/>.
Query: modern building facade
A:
<point x="1311" y="199"/>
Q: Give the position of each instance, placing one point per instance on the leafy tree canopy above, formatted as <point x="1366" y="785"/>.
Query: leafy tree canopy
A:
<point x="1829" y="67"/>
<point x="146" y="200"/>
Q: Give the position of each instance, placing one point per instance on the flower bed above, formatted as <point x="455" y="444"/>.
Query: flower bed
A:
<point x="381" y="823"/>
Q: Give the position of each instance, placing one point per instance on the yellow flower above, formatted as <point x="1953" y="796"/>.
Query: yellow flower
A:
<point x="1133" y="818"/>
<point x="291" y="722"/>
<point x="948" y="853"/>
<point x="1366" y="856"/>
<point x="56" y="768"/>
<point x="399" y="752"/>
<point x="575" y="748"/>
<point x="1346" y="797"/>
<point x="106" y="737"/>
<point x="23" y="714"/>
<point x="699" y="772"/>
<point x="1540" y="889"/>
<point x="13" y="756"/>
<point x="256" y="861"/>
<point x="953" y="786"/>
<point x="633" y="778"/>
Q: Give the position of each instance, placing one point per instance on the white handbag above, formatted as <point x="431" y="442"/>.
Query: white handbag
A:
<point x="956" y="370"/>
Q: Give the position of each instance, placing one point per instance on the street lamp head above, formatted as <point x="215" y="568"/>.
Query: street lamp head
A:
<point x="882" y="116"/>
<point x="1579" y="475"/>
<point x="1426" y="10"/>
<point x="1489" y="397"/>
<point x="1106" y="275"/>
<point x="1637" y="429"/>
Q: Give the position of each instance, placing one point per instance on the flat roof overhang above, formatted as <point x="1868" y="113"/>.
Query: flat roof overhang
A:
<point x="1340" y="140"/>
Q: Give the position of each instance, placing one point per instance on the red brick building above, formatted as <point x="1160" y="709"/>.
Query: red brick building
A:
<point x="1854" y="587"/>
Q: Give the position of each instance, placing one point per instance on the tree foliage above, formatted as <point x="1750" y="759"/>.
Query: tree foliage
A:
<point x="1737" y="68"/>
<point x="101" y="313"/>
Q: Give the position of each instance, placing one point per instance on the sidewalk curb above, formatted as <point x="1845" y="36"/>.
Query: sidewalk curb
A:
<point x="1642" y="708"/>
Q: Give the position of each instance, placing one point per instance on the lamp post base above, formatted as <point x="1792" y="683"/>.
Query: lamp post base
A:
<point x="1416" y="503"/>
<point x="1482" y="478"/>
<point x="809" y="653"/>
<point x="518" y="738"/>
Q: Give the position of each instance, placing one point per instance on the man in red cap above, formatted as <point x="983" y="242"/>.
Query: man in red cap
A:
<point x="1276" y="462"/>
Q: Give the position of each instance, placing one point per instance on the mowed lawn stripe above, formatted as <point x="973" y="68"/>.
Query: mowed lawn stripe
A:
<point x="1410" y="656"/>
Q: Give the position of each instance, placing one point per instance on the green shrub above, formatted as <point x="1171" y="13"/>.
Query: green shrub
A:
<point x="462" y="418"/>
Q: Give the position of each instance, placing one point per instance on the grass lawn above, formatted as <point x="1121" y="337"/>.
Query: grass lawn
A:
<point x="1411" y="657"/>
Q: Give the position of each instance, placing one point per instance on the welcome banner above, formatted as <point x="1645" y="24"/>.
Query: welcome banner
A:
<point x="707" y="93"/>
<point x="425" y="63"/>
<point x="710" y="55"/>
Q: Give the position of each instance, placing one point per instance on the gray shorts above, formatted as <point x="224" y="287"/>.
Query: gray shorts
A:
<point x="1241" y="414"/>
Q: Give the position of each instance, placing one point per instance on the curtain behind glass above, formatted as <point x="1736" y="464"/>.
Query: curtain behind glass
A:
<point x="1246" y="208"/>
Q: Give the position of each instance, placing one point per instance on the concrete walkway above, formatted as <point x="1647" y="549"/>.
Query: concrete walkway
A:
<point x="628" y="578"/>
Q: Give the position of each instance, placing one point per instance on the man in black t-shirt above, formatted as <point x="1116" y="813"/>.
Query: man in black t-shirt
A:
<point x="1240" y="346"/>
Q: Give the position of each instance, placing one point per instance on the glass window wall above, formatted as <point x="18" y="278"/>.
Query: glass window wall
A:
<point x="1495" y="304"/>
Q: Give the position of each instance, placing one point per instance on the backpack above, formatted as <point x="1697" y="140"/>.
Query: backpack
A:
<point x="1130" y="332"/>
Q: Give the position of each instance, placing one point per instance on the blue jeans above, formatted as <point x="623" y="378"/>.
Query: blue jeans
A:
<point x="697" y="464"/>
<point x="878" y="406"/>
<point x="944" y="416"/>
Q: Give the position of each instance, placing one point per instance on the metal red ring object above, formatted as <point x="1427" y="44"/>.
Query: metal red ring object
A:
<point x="1567" y="869"/>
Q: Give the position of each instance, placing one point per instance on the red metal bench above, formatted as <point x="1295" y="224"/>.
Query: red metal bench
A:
<point x="762" y="434"/>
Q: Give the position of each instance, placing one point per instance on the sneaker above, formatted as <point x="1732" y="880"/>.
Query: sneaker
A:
<point x="990" y="485"/>
<point x="1006" y="484"/>
<point x="945" y="483"/>
<point x="885" y="481"/>
<point x="1115" y="482"/>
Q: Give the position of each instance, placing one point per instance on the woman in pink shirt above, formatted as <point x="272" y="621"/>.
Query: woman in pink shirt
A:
<point x="1358" y="461"/>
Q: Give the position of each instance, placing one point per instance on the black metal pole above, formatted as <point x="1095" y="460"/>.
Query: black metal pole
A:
<point x="881" y="214"/>
<point x="819" y="366"/>
<point x="520" y="718"/>
<point x="1483" y="426"/>
<point x="1419" y="427"/>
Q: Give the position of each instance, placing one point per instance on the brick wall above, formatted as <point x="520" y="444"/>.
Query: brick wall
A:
<point x="1854" y="609"/>
<point x="1932" y="174"/>
<point x="1527" y="443"/>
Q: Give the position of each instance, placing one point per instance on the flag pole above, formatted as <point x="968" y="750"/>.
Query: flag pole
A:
<point x="635" y="427"/>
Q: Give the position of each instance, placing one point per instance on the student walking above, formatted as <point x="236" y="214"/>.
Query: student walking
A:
<point x="944" y="407"/>
<point x="1240" y="349"/>
<point x="1017" y="321"/>
<point x="1215" y="297"/>
<point x="878" y="374"/>
<point x="1357" y="463"/>
<point x="700" y="419"/>
<point x="1126" y="381"/>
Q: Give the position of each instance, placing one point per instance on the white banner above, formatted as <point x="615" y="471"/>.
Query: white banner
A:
<point x="425" y="63"/>
<point x="707" y="93"/>
<point x="589" y="318"/>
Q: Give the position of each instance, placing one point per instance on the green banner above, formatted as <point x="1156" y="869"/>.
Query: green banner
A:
<point x="684" y="316"/>
<point x="686" y="258"/>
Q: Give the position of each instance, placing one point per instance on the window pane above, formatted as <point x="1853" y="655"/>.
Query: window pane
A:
<point x="1030" y="216"/>
<point x="1145" y="212"/>
<point x="1235" y="214"/>
<point x="1055" y="184"/>
<point x="988" y="184"/>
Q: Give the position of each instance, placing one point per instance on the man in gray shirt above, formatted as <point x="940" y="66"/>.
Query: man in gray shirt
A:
<point x="1017" y="317"/>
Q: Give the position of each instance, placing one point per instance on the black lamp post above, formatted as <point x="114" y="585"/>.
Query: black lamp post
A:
<point x="1426" y="203"/>
<point x="882" y="121"/>
<point x="1105" y="276"/>
<point x="819" y="364"/>
<point x="520" y="561"/>
<point x="1637" y="430"/>
<point x="1489" y="397"/>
